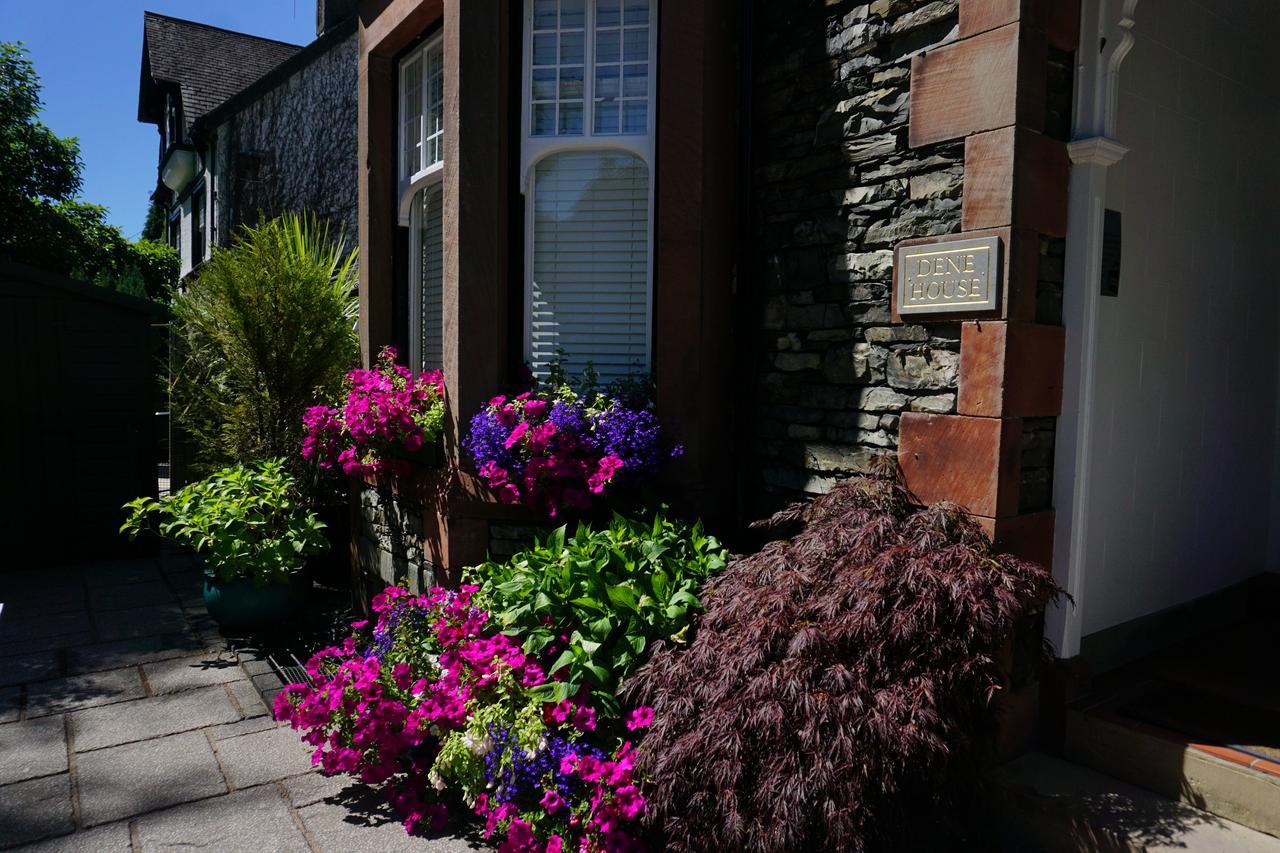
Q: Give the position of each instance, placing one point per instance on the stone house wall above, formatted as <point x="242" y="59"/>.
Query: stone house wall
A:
<point x="293" y="147"/>
<point x="836" y="187"/>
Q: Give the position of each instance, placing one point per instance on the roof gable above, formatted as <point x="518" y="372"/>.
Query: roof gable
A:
<point x="208" y="64"/>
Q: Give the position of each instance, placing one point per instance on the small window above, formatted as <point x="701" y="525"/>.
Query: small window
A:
<point x="589" y="179"/>
<point x="422" y="198"/>
<point x="175" y="231"/>
<point x="198" y="219"/>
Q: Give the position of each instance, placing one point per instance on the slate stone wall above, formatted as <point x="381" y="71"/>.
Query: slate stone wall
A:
<point x="836" y="186"/>
<point x="389" y="540"/>
<point x="294" y="147"/>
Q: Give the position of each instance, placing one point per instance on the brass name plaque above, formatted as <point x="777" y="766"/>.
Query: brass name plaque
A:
<point x="951" y="276"/>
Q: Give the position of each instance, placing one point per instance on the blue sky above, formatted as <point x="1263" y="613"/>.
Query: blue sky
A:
<point x="88" y="52"/>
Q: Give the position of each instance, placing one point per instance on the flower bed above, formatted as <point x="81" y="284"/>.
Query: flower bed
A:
<point x="555" y="449"/>
<point x="491" y="698"/>
<point x="388" y="412"/>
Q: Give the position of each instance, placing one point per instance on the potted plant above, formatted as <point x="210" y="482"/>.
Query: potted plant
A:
<point x="252" y="533"/>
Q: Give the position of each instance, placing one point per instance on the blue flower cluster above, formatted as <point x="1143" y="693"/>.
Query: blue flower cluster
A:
<point x="520" y="778"/>
<point x="634" y="436"/>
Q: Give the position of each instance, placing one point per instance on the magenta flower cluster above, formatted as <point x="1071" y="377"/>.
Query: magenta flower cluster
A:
<point x="551" y="450"/>
<point x="386" y="707"/>
<point x="387" y="408"/>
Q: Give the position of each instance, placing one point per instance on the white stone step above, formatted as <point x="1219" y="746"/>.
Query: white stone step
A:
<point x="1049" y="805"/>
<point x="1174" y="769"/>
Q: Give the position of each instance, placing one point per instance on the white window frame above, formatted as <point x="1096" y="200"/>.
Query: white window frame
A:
<point x="430" y="178"/>
<point x="534" y="149"/>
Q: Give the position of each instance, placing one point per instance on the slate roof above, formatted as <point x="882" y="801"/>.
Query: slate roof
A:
<point x="208" y="64"/>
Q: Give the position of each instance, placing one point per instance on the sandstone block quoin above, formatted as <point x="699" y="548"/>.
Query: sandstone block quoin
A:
<point x="1011" y="369"/>
<point x="970" y="461"/>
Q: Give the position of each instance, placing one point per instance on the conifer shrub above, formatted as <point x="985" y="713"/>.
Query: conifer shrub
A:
<point x="840" y="687"/>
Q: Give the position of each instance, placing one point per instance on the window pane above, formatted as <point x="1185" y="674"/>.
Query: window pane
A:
<point x="607" y="13"/>
<point x="635" y="81"/>
<point x="544" y="14"/>
<point x="571" y="83"/>
<point x="544" y="119"/>
<point x="607" y="46"/>
<point x="635" y="45"/>
<point x="635" y="116"/>
<point x="606" y="117"/>
<point x="544" y="84"/>
<point x="607" y="82"/>
<point x="590" y="267"/>
<point x="571" y="14"/>
<point x="571" y="48"/>
<point x="544" y="49"/>
<point x="635" y="12"/>
<point x="570" y="118"/>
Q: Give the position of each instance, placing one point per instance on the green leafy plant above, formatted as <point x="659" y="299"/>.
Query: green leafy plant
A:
<point x="244" y="521"/>
<point x="600" y="598"/>
<point x="266" y="331"/>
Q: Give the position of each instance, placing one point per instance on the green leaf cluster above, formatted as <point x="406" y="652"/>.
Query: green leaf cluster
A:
<point x="610" y="593"/>
<point x="42" y="223"/>
<point x="266" y="331"/>
<point x="246" y="521"/>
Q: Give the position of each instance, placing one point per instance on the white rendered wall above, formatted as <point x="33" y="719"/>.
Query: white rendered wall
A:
<point x="1185" y="414"/>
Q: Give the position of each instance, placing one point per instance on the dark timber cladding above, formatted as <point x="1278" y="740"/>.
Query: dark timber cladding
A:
<point x="80" y="424"/>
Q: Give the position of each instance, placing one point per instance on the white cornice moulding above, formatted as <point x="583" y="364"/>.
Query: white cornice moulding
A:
<point x="1096" y="150"/>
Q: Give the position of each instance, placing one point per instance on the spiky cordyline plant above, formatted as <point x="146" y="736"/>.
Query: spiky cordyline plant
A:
<point x="841" y="681"/>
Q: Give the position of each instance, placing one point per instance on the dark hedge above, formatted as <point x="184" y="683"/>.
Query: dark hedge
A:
<point x="839" y="690"/>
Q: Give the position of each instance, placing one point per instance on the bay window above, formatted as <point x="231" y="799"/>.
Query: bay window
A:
<point x="587" y="171"/>
<point x="421" y="198"/>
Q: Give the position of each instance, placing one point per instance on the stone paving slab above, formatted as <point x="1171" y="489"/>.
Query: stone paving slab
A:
<point x="171" y="676"/>
<point x="141" y="719"/>
<point x="17" y="626"/>
<point x="265" y="756"/>
<point x="33" y="666"/>
<point x="141" y="622"/>
<point x="44" y="644"/>
<point x="130" y="596"/>
<point x="10" y="704"/>
<point x="345" y="831"/>
<point x="84" y="691"/>
<point x="101" y="575"/>
<point x="95" y="657"/>
<point x="35" y="809"/>
<point x="248" y="699"/>
<point x="244" y="822"/>
<point x="30" y="749"/>
<point x="112" y="838"/>
<point x="243" y="727"/>
<point x="122" y="781"/>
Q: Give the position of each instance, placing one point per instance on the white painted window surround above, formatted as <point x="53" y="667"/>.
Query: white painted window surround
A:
<point x="587" y="155"/>
<point x="421" y="174"/>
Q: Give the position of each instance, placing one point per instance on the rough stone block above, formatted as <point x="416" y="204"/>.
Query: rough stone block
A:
<point x="122" y="781"/>
<point x="1011" y="369"/>
<point x="252" y="820"/>
<point x="35" y="809"/>
<point x="172" y="676"/>
<point x="923" y="369"/>
<point x="970" y="461"/>
<point x="32" y="748"/>
<point x="112" y="725"/>
<point x="265" y="756"/>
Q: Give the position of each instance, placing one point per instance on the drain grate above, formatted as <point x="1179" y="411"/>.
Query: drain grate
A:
<point x="289" y="669"/>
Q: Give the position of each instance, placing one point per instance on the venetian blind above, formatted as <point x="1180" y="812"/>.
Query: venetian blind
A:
<point x="428" y="216"/>
<point x="589" y="295"/>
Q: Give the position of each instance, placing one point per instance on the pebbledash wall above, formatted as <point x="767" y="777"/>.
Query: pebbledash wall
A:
<point x="289" y="141"/>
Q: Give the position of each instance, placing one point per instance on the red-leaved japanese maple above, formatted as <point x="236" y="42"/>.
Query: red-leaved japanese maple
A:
<point x="841" y="682"/>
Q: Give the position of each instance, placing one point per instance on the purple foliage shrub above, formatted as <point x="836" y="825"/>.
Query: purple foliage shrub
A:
<point x="842" y="681"/>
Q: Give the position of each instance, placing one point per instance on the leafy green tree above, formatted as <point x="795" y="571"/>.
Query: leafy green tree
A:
<point x="41" y="221"/>
<point x="267" y="330"/>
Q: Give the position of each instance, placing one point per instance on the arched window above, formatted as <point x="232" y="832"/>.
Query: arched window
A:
<point x="422" y="198"/>
<point x="587" y="155"/>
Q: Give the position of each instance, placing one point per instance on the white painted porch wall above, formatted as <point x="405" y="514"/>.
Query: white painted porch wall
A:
<point x="1184" y="498"/>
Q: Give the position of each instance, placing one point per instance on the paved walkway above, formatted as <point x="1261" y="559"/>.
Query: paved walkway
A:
<point x="127" y="724"/>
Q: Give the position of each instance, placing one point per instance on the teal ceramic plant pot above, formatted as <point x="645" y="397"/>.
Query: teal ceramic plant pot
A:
<point x="239" y="604"/>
